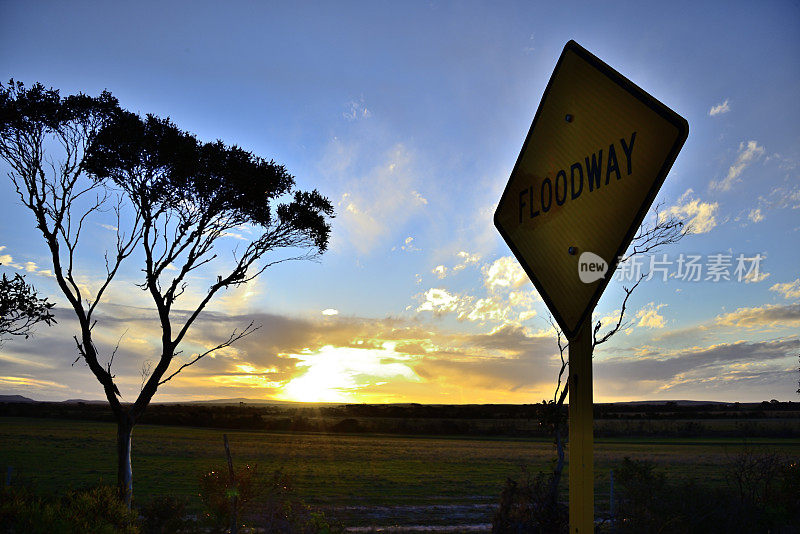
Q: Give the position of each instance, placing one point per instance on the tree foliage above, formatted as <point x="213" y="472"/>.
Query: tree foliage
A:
<point x="21" y="308"/>
<point x="190" y="194"/>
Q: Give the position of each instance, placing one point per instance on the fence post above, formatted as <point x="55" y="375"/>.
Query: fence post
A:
<point x="611" y="500"/>
<point x="234" y="490"/>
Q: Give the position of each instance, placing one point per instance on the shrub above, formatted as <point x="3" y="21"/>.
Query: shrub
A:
<point x="528" y="506"/>
<point x="97" y="510"/>
<point x="761" y="495"/>
<point x="216" y="493"/>
<point x="266" y="503"/>
<point x="280" y="511"/>
<point x="164" y="515"/>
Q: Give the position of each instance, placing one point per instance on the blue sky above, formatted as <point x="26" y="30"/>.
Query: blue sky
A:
<point x="409" y="116"/>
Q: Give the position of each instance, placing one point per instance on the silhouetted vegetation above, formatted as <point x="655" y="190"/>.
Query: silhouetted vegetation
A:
<point x="21" y="308"/>
<point x="746" y="420"/>
<point x="98" y="510"/>
<point x="269" y="503"/>
<point x="528" y="505"/>
<point x="760" y="495"/>
<point x="266" y="504"/>
<point x="174" y="198"/>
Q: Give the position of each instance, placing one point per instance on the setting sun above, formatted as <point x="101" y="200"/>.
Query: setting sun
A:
<point x="336" y="374"/>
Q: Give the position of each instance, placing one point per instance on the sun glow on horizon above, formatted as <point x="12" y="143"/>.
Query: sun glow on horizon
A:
<point x="338" y="374"/>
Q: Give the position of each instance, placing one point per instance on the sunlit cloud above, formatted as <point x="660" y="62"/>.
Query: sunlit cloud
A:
<point x="8" y="260"/>
<point x="504" y="273"/>
<point x="789" y="290"/>
<point x="749" y="152"/>
<point x="756" y="215"/>
<point x="767" y="316"/>
<point x="649" y="317"/>
<point x="465" y="259"/>
<point x="27" y="382"/>
<point x="438" y="301"/>
<point x="755" y="276"/>
<point x="489" y="309"/>
<point x="330" y="311"/>
<point x="712" y="369"/>
<point x="408" y="245"/>
<point x="236" y="300"/>
<point x="699" y="217"/>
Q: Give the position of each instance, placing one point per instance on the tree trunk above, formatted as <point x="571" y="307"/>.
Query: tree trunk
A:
<point x="124" y="472"/>
<point x="559" y="467"/>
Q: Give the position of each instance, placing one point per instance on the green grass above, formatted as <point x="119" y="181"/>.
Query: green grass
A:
<point x="334" y="470"/>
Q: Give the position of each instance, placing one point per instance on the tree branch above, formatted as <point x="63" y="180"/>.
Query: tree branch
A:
<point x="234" y="337"/>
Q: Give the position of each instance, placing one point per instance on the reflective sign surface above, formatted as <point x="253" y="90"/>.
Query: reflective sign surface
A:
<point x="597" y="152"/>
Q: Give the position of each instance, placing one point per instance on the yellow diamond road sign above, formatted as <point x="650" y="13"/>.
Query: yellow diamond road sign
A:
<point x="596" y="155"/>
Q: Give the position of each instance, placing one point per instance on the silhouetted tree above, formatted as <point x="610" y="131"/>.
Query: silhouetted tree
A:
<point x="188" y="195"/>
<point x="175" y="198"/>
<point x="21" y="308"/>
<point x="663" y="229"/>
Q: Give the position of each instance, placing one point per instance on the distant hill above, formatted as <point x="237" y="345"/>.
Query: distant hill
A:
<point x="15" y="398"/>
<point x="255" y="402"/>
<point x="664" y="402"/>
<point x="270" y="402"/>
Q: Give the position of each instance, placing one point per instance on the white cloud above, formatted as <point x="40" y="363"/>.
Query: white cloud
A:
<point x="789" y="290"/>
<point x="330" y="311"/>
<point x="439" y="301"/>
<point x="440" y="271"/>
<point x="466" y="259"/>
<point x="504" y="273"/>
<point x="495" y="309"/>
<point x="748" y="153"/>
<point x="719" y="109"/>
<point x="511" y="309"/>
<point x="408" y="245"/>
<point x="524" y="299"/>
<point x="699" y="217"/>
<point x="356" y="109"/>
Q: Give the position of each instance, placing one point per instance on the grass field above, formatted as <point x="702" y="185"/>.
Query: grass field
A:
<point x="366" y="479"/>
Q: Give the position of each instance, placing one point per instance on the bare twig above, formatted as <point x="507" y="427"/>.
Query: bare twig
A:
<point x="234" y="337"/>
<point x="619" y="325"/>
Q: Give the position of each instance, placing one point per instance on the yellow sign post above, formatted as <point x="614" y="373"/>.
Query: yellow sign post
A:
<point x="581" y="465"/>
<point x="594" y="159"/>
